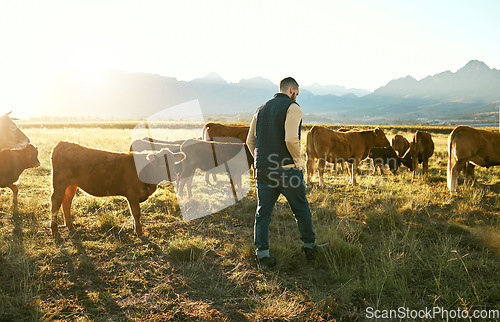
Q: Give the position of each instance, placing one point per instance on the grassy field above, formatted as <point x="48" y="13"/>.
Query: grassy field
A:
<point x="395" y="242"/>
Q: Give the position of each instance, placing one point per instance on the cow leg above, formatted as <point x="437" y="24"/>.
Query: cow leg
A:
<point x="15" y="190"/>
<point x="189" y="185"/>
<point x="310" y="170"/>
<point x="470" y="177"/>
<point x="455" y="170"/>
<point x="185" y="182"/>
<point x="415" y="167"/>
<point x="135" y="209"/>
<point x="425" y="166"/>
<point x="207" y="177"/>
<point x="354" y="168"/>
<point x="56" y="199"/>
<point x="321" y="171"/>
<point x="239" y="187"/>
<point x="66" y="205"/>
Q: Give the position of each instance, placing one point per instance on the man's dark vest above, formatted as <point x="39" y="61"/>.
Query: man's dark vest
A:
<point x="270" y="147"/>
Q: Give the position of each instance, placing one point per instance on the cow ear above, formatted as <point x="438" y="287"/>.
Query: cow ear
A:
<point x="179" y="157"/>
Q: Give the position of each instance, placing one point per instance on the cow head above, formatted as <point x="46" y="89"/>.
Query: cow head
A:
<point x="30" y="156"/>
<point x="160" y="166"/>
<point x="11" y="137"/>
<point x="406" y="160"/>
<point x="380" y="138"/>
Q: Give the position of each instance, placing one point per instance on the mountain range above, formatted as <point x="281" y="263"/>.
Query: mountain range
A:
<point x="471" y="93"/>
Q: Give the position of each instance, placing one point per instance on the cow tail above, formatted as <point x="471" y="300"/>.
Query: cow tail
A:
<point x="205" y="132"/>
<point x="451" y="162"/>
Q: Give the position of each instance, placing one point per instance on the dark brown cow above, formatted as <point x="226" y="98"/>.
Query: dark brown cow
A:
<point x="421" y="149"/>
<point x="13" y="163"/>
<point x="400" y="144"/>
<point x="383" y="156"/>
<point x="224" y="133"/>
<point x="468" y="147"/>
<point x="11" y="137"/>
<point x="334" y="146"/>
<point x="104" y="173"/>
<point x="209" y="155"/>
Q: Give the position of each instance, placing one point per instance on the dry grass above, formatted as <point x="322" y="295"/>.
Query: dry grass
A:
<point x="394" y="242"/>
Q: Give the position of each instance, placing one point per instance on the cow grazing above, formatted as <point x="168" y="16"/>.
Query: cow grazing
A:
<point x="334" y="146"/>
<point x="468" y="147"/>
<point x="421" y="149"/>
<point x="207" y="156"/>
<point x="224" y="133"/>
<point x="11" y="137"/>
<point x="104" y="173"/>
<point x="13" y="163"/>
<point x="383" y="156"/>
<point x="400" y="144"/>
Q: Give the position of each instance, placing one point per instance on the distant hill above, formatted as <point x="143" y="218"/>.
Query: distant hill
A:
<point x="130" y="96"/>
<point x="472" y="92"/>
<point x="336" y="90"/>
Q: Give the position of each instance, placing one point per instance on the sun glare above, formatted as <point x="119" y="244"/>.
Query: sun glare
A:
<point x="89" y="62"/>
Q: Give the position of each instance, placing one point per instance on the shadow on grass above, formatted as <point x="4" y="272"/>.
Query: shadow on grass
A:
<point x="17" y="292"/>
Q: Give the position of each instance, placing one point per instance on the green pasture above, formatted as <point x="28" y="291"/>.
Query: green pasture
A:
<point x="395" y="242"/>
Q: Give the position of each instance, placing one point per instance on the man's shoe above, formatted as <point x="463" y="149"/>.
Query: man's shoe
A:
<point x="266" y="263"/>
<point x="311" y="252"/>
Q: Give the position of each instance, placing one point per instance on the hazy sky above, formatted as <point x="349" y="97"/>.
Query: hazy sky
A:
<point x="361" y="44"/>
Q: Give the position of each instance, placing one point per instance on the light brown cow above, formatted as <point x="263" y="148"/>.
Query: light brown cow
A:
<point x="468" y="147"/>
<point x="104" y="173"/>
<point x="13" y="163"/>
<point x="334" y="146"/>
<point x="11" y="137"/>
<point x="400" y="144"/>
<point x="234" y="157"/>
<point x="224" y="133"/>
<point x="421" y="149"/>
<point x="218" y="131"/>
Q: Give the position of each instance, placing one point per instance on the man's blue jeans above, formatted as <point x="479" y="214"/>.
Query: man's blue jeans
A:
<point x="270" y="184"/>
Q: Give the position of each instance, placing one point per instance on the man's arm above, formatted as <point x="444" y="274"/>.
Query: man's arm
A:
<point x="251" y="137"/>
<point x="292" y="122"/>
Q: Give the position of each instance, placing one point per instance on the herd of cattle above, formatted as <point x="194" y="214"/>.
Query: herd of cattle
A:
<point x="136" y="174"/>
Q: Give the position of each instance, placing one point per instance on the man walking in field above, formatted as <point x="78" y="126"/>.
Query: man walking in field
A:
<point x="274" y="141"/>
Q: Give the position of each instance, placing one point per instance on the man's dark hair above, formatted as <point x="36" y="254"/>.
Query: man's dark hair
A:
<point x="288" y="82"/>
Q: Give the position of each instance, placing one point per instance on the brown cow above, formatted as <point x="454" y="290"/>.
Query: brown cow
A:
<point x="14" y="162"/>
<point x="334" y="146"/>
<point x="217" y="131"/>
<point x="151" y="144"/>
<point x="224" y="133"/>
<point x="383" y="156"/>
<point x="468" y="147"/>
<point x="421" y="149"/>
<point x="11" y="137"/>
<point x="104" y="173"/>
<point x="400" y="144"/>
<point x="210" y="155"/>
